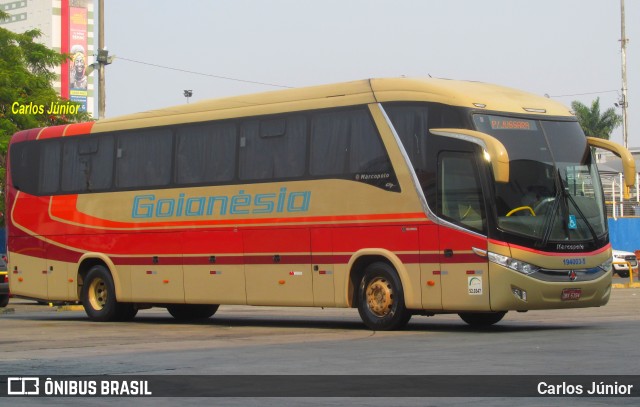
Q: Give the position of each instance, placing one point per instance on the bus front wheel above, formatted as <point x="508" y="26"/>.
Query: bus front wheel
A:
<point x="191" y="312"/>
<point x="481" y="319"/>
<point x="99" y="297"/>
<point x="381" y="300"/>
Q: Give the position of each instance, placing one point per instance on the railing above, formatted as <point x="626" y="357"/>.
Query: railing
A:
<point x="617" y="204"/>
<point x="630" y="283"/>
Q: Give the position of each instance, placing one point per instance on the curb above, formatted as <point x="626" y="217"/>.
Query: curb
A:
<point x="626" y="285"/>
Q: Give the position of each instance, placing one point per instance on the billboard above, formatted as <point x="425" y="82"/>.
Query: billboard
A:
<point x="78" y="51"/>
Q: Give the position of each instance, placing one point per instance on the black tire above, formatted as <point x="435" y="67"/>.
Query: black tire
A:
<point x="191" y="312"/>
<point x="4" y="300"/>
<point x="623" y="273"/>
<point x="99" y="296"/>
<point x="481" y="319"/>
<point x="126" y="312"/>
<point x="381" y="299"/>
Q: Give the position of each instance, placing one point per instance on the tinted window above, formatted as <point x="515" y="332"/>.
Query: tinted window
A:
<point x="346" y="142"/>
<point x="205" y="153"/>
<point x="87" y="163"/>
<point x="144" y="160"/>
<point x="322" y="144"/>
<point x="459" y="191"/>
<point x="273" y="148"/>
<point x="49" y="177"/>
<point x="412" y="123"/>
<point x="25" y="158"/>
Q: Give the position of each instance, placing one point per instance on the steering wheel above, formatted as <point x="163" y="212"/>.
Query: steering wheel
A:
<point x="521" y="208"/>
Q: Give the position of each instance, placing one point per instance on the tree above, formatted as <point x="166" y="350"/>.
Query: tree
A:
<point x="593" y="123"/>
<point x="26" y="74"/>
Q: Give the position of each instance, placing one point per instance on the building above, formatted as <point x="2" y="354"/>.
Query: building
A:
<point x="67" y="27"/>
<point x="610" y="168"/>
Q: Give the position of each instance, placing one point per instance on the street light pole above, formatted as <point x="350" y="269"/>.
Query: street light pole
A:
<point x="101" y="82"/>
<point x="624" y="102"/>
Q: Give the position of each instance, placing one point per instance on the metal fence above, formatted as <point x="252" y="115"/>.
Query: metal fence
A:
<point x="620" y="201"/>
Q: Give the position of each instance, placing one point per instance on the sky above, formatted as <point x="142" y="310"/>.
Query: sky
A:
<point x="567" y="49"/>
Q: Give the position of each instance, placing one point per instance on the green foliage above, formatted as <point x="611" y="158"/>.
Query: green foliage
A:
<point x="594" y="123"/>
<point x="26" y="74"/>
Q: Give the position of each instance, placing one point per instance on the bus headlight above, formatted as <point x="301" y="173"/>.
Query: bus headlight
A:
<point x="607" y="265"/>
<point x="513" y="264"/>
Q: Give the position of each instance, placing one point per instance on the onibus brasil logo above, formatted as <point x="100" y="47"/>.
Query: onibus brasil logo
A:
<point x="33" y="386"/>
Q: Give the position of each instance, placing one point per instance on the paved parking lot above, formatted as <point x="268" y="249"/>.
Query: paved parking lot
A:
<point x="39" y="340"/>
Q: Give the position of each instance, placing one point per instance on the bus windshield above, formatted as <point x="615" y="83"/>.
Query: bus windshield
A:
<point x="554" y="192"/>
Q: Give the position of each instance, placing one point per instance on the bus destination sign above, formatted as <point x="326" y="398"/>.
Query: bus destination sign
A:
<point x="504" y="123"/>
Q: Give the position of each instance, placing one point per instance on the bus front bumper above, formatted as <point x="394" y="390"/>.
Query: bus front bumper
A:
<point x="513" y="291"/>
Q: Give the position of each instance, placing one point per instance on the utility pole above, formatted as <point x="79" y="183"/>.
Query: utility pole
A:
<point x="102" y="60"/>
<point x="101" y="83"/>
<point x="624" y="103"/>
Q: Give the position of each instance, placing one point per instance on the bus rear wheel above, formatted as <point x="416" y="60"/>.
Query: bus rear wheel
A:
<point x="99" y="297"/>
<point x="191" y="312"/>
<point x="481" y="319"/>
<point x="381" y="299"/>
<point x="4" y="300"/>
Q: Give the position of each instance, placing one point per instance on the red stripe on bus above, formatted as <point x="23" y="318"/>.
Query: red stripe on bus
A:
<point x="78" y="129"/>
<point x="25" y="135"/>
<point x="459" y="258"/>
<point x="52" y="132"/>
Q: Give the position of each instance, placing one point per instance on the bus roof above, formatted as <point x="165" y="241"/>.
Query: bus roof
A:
<point x="451" y="92"/>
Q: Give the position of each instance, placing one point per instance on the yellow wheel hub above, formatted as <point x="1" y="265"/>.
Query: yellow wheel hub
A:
<point x="380" y="296"/>
<point x="98" y="294"/>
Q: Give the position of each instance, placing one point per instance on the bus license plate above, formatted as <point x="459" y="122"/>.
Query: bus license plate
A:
<point x="571" y="294"/>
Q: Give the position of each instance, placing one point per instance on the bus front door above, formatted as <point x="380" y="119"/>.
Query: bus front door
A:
<point x="460" y="206"/>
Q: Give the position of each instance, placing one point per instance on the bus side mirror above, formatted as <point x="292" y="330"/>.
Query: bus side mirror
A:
<point x="628" y="163"/>
<point x="493" y="150"/>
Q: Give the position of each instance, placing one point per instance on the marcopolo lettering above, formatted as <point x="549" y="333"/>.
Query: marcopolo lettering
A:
<point x="149" y="206"/>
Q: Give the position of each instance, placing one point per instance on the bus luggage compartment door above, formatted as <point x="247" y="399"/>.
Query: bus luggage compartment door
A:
<point x="278" y="266"/>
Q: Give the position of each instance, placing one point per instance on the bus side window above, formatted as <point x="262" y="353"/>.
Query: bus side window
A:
<point x="25" y="164"/>
<point x="144" y="160"/>
<point x="87" y="163"/>
<point x="205" y="153"/>
<point x="459" y="191"/>
<point x="273" y="148"/>
<point x="344" y="143"/>
<point x="411" y="123"/>
<point x="49" y="179"/>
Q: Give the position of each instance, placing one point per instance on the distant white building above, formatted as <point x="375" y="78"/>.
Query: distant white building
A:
<point x="608" y="162"/>
<point x="610" y="168"/>
<point x="67" y="27"/>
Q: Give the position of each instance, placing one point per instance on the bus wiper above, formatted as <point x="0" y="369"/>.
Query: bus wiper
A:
<point x="566" y="196"/>
<point x="548" y="224"/>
